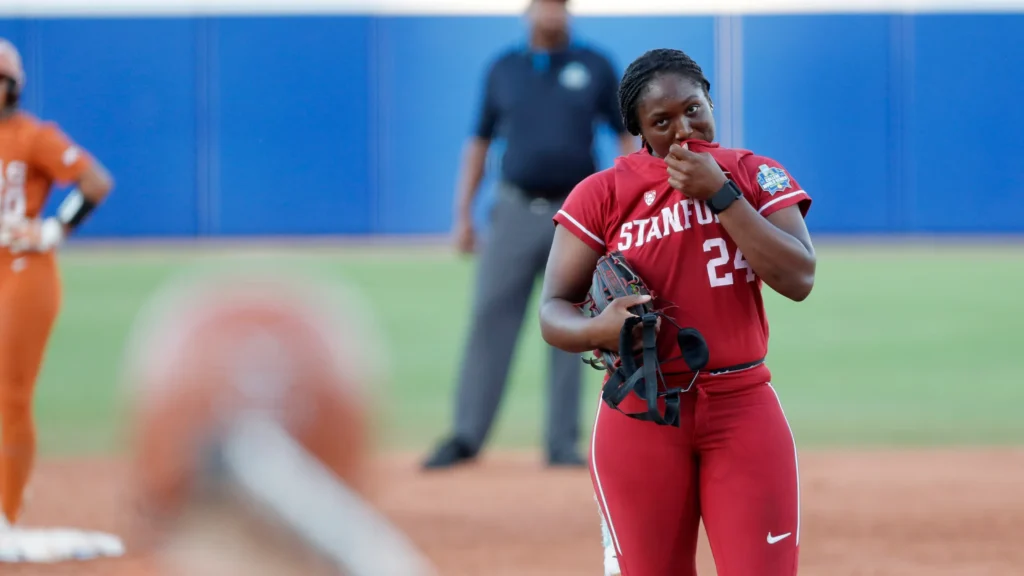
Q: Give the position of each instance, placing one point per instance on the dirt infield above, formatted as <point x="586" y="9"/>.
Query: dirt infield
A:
<point x="886" y="513"/>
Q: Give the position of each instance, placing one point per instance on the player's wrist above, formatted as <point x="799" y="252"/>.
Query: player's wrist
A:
<point x="724" y="198"/>
<point x="598" y="335"/>
<point x="75" y="208"/>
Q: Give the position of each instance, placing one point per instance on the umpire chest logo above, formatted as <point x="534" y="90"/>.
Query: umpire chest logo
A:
<point x="649" y="197"/>
<point x="574" y="76"/>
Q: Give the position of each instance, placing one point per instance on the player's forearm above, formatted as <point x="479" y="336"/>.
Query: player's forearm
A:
<point x="563" y="326"/>
<point x="91" y="189"/>
<point x="780" y="259"/>
<point x="96" y="183"/>
<point x="472" y="174"/>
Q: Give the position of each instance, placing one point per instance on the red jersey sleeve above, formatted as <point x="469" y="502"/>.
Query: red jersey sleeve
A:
<point x="774" y="188"/>
<point x="57" y="156"/>
<point x="586" y="210"/>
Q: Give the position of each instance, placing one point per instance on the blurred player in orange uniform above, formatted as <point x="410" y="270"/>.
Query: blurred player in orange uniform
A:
<point x="33" y="157"/>
<point x="251" y="433"/>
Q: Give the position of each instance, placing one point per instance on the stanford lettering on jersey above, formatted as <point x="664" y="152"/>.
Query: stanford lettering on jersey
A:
<point x="678" y="217"/>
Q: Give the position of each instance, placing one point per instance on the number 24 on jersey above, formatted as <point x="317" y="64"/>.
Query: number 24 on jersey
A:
<point x="725" y="278"/>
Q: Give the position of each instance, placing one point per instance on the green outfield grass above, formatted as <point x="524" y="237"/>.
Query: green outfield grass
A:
<point x="897" y="345"/>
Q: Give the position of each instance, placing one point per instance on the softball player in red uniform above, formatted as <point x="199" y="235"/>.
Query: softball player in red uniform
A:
<point x="703" y="226"/>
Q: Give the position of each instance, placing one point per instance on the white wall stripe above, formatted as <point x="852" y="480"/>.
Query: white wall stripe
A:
<point x="721" y="89"/>
<point x="492" y="7"/>
<point x="780" y="199"/>
<point x="736" y="50"/>
<point x="796" y="461"/>
<point x="581" y="227"/>
<point x="597" y="482"/>
<point x="728" y="77"/>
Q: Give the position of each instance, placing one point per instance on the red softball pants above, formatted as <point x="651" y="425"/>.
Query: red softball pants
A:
<point x="732" y="462"/>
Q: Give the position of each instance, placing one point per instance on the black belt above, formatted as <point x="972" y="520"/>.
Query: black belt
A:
<point x="726" y="370"/>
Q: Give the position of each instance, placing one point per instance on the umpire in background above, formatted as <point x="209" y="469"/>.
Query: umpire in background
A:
<point x="546" y="100"/>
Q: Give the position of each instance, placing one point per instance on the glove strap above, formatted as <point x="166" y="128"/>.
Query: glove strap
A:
<point x="644" y="379"/>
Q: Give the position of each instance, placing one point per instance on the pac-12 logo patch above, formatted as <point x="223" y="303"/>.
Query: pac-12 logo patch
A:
<point x="649" y="197"/>
<point x="772" y="179"/>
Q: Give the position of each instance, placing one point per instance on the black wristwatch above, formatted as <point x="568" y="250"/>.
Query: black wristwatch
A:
<point x="724" y="198"/>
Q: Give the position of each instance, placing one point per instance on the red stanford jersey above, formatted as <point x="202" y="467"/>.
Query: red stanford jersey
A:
<point x="684" y="255"/>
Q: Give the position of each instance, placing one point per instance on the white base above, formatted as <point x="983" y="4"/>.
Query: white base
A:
<point x="611" y="563"/>
<point x="611" y="559"/>
<point x="47" y="545"/>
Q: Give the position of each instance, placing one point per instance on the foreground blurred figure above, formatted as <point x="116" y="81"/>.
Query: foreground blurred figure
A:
<point x="252" y="433"/>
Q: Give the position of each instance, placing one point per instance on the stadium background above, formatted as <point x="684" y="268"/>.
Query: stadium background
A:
<point x="352" y="124"/>
<point x="252" y="130"/>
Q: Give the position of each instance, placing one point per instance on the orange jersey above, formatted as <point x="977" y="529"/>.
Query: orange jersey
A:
<point x="34" y="155"/>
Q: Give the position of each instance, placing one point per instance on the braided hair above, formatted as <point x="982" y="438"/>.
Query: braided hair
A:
<point x="647" y="67"/>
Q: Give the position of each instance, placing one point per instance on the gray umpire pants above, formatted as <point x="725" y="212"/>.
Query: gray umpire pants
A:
<point x="511" y="258"/>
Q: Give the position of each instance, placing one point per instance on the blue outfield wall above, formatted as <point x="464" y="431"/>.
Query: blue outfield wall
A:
<point x="355" y="124"/>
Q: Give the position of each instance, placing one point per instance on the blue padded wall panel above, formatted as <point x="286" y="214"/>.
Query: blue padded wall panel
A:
<point x="965" y="124"/>
<point x="291" y="128"/>
<point x="816" y="98"/>
<point x="125" y="90"/>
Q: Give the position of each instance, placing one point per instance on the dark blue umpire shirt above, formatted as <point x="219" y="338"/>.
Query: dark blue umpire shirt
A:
<point x="546" y="106"/>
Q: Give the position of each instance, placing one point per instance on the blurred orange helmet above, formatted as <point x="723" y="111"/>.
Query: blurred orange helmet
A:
<point x="260" y="384"/>
<point x="10" y="64"/>
<point x="208" y="354"/>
